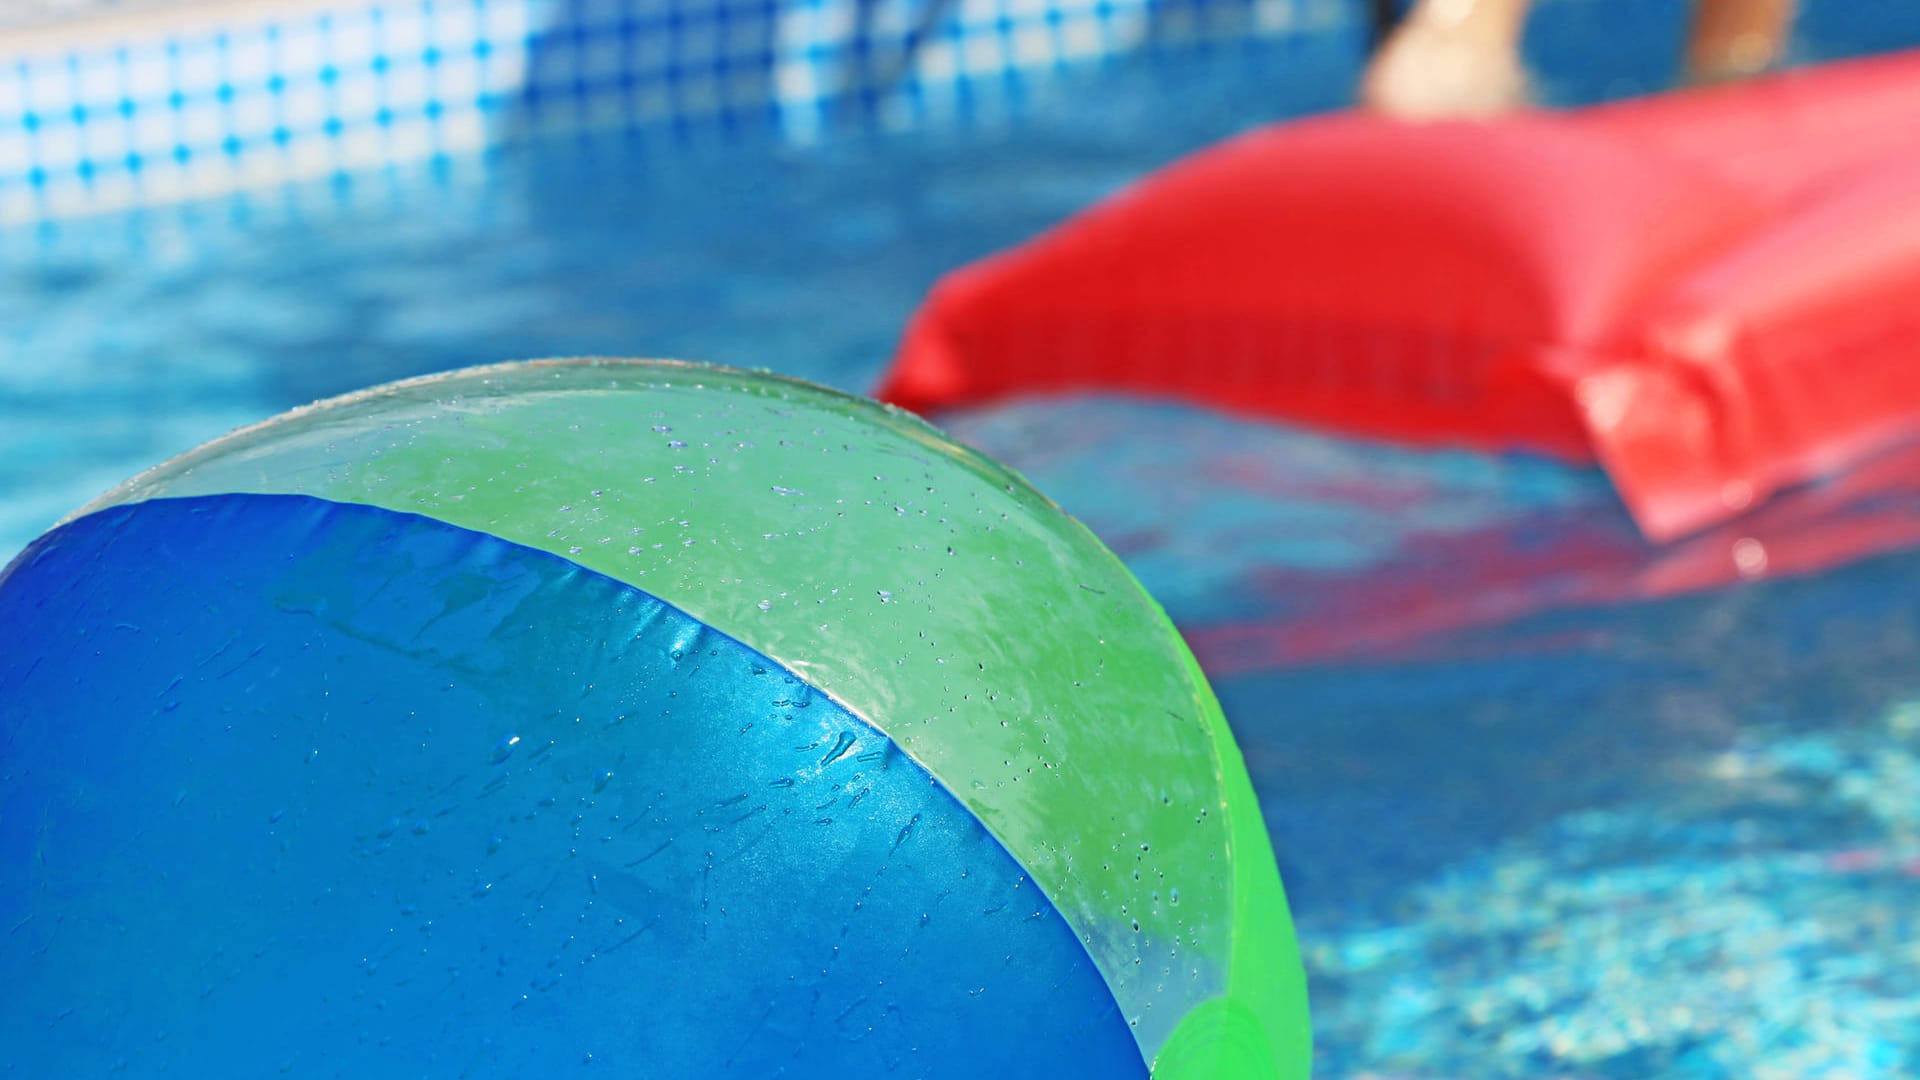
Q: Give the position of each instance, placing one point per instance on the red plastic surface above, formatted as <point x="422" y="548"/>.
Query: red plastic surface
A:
<point x="1716" y="294"/>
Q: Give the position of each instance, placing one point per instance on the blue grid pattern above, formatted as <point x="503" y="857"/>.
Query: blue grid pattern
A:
<point x="268" y="97"/>
<point x="234" y="106"/>
<point x="903" y="63"/>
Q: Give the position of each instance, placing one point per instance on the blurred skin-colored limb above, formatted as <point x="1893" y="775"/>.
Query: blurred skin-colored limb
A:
<point x="1462" y="57"/>
<point x="1732" y="39"/>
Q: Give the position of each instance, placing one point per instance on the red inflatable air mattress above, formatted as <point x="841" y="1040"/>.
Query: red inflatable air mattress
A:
<point x="1715" y="294"/>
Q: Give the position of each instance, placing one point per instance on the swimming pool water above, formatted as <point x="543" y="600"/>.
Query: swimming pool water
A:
<point x="134" y="337"/>
<point x="1532" y="823"/>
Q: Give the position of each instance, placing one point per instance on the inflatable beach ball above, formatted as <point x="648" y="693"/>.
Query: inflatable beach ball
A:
<point x="629" y="719"/>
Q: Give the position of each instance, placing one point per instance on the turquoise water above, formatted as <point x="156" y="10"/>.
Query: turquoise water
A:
<point x="1533" y="823"/>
